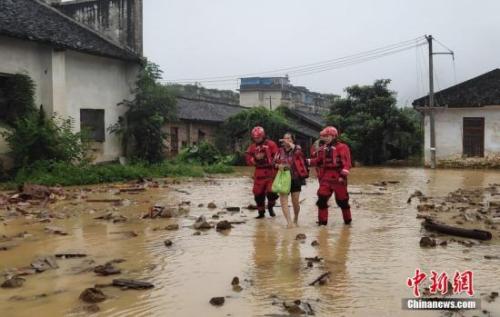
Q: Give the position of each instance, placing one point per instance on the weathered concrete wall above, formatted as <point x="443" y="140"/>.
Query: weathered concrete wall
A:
<point x="256" y="98"/>
<point x="188" y="133"/>
<point x="449" y="131"/>
<point x="99" y="83"/>
<point x="67" y="81"/>
<point x="120" y="20"/>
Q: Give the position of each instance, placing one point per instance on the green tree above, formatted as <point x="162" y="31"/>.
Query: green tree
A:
<point x="18" y="95"/>
<point x="376" y="129"/>
<point x="237" y="128"/>
<point x="141" y="126"/>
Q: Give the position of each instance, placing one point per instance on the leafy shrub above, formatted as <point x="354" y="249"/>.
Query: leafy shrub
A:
<point x="36" y="137"/>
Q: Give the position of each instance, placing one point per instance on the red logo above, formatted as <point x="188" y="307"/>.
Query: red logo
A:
<point x="462" y="282"/>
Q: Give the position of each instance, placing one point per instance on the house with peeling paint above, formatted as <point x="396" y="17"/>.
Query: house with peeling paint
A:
<point x="83" y="56"/>
<point x="467" y="119"/>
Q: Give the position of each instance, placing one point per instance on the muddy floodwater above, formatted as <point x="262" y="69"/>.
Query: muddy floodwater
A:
<point x="369" y="261"/>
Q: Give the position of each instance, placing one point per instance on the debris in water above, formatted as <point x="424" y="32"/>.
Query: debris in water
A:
<point x="13" y="282"/>
<point x="321" y="279"/>
<point x="92" y="295"/>
<point x="168" y="243"/>
<point x="427" y="242"/>
<point x="201" y="223"/>
<point x="223" y="225"/>
<point x="217" y="301"/>
<point x="106" y="269"/>
<point x="132" y="284"/>
<point x="300" y="236"/>
<point x="211" y="205"/>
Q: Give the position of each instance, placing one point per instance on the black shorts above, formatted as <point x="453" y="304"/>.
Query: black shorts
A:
<point x="297" y="185"/>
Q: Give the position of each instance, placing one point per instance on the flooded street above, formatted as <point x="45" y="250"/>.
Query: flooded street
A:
<point x="369" y="261"/>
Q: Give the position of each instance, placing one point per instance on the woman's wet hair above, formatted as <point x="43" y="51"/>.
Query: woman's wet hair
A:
<point x="291" y="135"/>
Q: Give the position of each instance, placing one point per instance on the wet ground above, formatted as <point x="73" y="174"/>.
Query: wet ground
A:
<point x="369" y="261"/>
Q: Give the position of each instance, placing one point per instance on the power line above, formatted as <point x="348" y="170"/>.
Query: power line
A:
<point x="314" y="66"/>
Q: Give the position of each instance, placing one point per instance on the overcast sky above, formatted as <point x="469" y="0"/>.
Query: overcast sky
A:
<point x="202" y="38"/>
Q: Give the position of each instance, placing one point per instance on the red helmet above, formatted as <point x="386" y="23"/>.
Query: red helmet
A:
<point x="329" y="131"/>
<point x="258" y="132"/>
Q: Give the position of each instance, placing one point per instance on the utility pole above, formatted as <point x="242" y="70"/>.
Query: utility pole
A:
<point x="431" y="103"/>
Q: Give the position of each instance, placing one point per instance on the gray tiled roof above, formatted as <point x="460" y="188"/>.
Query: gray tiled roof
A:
<point x="36" y="21"/>
<point x="207" y="111"/>
<point x="483" y="90"/>
<point x="313" y="118"/>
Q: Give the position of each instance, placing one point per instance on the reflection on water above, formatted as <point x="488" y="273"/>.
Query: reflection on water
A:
<point x="369" y="261"/>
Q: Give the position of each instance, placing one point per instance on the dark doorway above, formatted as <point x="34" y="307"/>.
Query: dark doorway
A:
<point x="174" y="140"/>
<point x="473" y="142"/>
<point x="92" y="121"/>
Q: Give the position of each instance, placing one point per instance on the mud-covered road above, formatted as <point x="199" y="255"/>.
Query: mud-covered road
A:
<point x="369" y="261"/>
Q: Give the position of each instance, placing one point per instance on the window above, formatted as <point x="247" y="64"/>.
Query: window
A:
<point x="92" y="120"/>
<point x="473" y="137"/>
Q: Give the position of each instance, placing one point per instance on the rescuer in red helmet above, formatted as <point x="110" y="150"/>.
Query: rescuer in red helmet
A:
<point x="334" y="162"/>
<point x="261" y="154"/>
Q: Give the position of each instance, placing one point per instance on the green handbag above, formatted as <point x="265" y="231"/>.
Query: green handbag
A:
<point x="282" y="182"/>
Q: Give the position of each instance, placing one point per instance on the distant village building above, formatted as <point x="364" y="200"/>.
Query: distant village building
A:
<point x="199" y="120"/>
<point x="84" y="57"/>
<point x="467" y="119"/>
<point x="272" y="92"/>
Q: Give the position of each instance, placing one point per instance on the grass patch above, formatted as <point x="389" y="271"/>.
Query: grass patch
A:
<point x="218" y="168"/>
<point x="65" y="174"/>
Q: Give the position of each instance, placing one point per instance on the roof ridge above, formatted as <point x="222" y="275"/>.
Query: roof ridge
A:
<point x="87" y="28"/>
<point x="459" y="84"/>
<point x="211" y="101"/>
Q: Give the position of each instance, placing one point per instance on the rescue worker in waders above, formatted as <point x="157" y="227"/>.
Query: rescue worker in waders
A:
<point x="261" y="154"/>
<point x="334" y="162"/>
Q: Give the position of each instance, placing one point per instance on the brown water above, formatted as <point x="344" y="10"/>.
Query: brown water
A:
<point x="369" y="260"/>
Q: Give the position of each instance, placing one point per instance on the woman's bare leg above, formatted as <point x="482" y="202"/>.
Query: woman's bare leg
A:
<point x="296" y="206"/>
<point x="284" y="207"/>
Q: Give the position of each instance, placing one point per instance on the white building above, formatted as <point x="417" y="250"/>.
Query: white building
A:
<point x="467" y="119"/>
<point x="272" y="92"/>
<point x="78" y="71"/>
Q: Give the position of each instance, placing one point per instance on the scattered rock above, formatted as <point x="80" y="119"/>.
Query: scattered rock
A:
<point x="443" y="243"/>
<point x="172" y="227"/>
<point x="427" y="242"/>
<point x="13" y="282"/>
<point x="310" y="264"/>
<point x="106" y="269"/>
<point x="56" y="230"/>
<point x="233" y="209"/>
<point x="215" y="216"/>
<point x="200" y="205"/>
<point x="112" y="216"/>
<point x="44" y="263"/>
<point x="92" y="295"/>
<point x="293" y="308"/>
<point x="211" y="205"/>
<point x="417" y="194"/>
<point x="252" y="207"/>
<point x="201" y="224"/>
<point x="300" y="236"/>
<point x="315" y="243"/>
<point x="235" y="281"/>
<point x="197" y="233"/>
<point x="223" y="225"/>
<point x="217" y="301"/>
<point x="168" y="243"/>
<point x="237" y="288"/>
